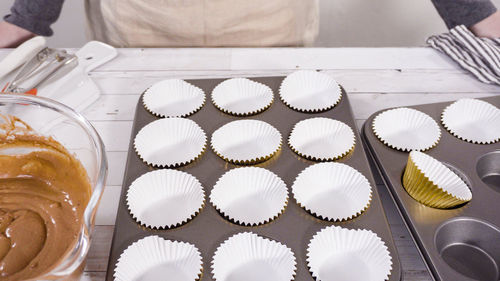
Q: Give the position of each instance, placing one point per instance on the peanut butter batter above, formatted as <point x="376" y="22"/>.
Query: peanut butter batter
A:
<point x="43" y="193"/>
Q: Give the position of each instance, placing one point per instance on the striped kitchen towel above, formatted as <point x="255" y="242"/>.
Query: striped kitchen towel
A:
<point x="480" y="56"/>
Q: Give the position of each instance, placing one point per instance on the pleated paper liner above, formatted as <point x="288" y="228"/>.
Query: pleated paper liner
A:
<point x="165" y="198"/>
<point x="173" y="98"/>
<point x="321" y="139"/>
<point x="153" y="258"/>
<point x="431" y="183"/>
<point x="248" y="256"/>
<point x="310" y="91"/>
<point x="246" y="142"/>
<point x="170" y="142"/>
<point x="341" y="254"/>
<point x="250" y="195"/>
<point x="406" y="129"/>
<point x="332" y="191"/>
<point x="242" y="97"/>
<point x="472" y="120"/>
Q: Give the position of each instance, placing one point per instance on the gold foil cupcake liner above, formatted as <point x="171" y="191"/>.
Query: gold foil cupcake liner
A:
<point x="425" y="191"/>
<point x="473" y="121"/>
<point x="242" y="97"/>
<point x="173" y="98"/>
<point x="310" y="91"/>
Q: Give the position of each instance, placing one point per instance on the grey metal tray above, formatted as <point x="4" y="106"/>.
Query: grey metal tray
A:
<point x="461" y="243"/>
<point x="295" y="227"/>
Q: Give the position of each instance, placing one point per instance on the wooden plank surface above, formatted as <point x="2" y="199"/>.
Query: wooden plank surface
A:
<point x="274" y="59"/>
<point x="279" y="58"/>
<point x="354" y="81"/>
<point x="375" y="78"/>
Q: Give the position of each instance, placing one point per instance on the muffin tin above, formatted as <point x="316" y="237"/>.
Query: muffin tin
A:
<point x="461" y="243"/>
<point x="294" y="228"/>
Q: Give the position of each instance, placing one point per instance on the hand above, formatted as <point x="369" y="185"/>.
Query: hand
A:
<point x="489" y="27"/>
<point x="12" y="36"/>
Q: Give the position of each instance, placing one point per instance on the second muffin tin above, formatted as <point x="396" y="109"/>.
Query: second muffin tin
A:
<point x="461" y="243"/>
<point x="294" y="228"/>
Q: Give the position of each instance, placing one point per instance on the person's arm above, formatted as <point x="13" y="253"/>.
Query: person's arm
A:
<point x="489" y="27"/>
<point x="28" y="18"/>
<point x="480" y="16"/>
<point x="12" y="35"/>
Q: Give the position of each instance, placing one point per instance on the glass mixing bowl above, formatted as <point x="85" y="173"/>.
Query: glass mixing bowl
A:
<point x="73" y="131"/>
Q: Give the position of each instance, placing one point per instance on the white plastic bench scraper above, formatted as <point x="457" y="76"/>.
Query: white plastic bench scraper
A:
<point x="76" y="89"/>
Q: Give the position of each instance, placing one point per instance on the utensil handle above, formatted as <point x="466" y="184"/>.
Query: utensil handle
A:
<point x="21" y="54"/>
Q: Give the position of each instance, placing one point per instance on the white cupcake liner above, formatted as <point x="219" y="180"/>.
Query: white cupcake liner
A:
<point x="250" y="195"/>
<point x="441" y="175"/>
<point x="170" y="142"/>
<point x="406" y="129"/>
<point x="342" y="254"/>
<point x="173" y="98"/>
<point x="332" y="191"/>
<point x="247" y="256"/>
<point x="246" y="141"/>
<point x="321" y="139"/>
<point x="153" y="258"/>
<point x="310" y="91"/>
<point x="473" y="121"/>
<point x="242" y="96"/>
<point x="165" y="198"/>
<point x="432" y="183"/>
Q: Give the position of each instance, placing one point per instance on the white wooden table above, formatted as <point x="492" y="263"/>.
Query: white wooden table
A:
<point x="374" y="78"/>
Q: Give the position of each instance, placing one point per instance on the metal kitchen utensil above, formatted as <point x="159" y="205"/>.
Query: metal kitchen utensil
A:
<point x="462" y="243"/>
<point x="295" y="227"/>
<point x="70" y="84"/>
<point x="43" y="66"/>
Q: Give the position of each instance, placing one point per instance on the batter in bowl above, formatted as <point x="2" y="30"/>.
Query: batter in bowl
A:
<point x="44" y="191"/>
